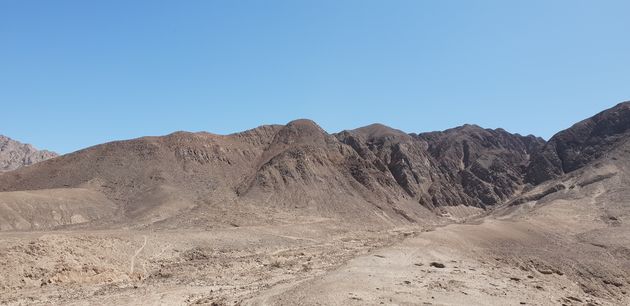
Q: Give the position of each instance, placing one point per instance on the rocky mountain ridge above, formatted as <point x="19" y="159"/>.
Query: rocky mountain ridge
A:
<point x="370" y="175"/>
<point x="584" y="142"/>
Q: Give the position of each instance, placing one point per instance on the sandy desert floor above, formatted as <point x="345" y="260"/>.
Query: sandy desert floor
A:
<point x="224" y="266"/>
<point x="492" y="261"/>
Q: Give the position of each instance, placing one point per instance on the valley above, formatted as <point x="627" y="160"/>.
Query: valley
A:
<point x="293" y="215"/>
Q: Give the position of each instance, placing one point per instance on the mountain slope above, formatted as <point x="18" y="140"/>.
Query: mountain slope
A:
<point x="307" y="169"/>
<point x="467" y="166"/>
<point x="579" y="145"/>
<point x="585" y="168"/>
<point x="150" y="178"/>
<point x="14" y="154"/>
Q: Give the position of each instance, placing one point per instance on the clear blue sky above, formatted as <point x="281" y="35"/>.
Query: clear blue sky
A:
<point x="79" y="73"/>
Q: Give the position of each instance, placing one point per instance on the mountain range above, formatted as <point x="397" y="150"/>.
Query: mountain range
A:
<point x="273" y="173"/>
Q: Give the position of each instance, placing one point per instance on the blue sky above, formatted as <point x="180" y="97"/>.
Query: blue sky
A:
<point x="78" y="73"/>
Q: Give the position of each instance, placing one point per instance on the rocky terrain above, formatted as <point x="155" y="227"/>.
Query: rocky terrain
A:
<point x="292" y="215"/>
<point x="14" y="154"/>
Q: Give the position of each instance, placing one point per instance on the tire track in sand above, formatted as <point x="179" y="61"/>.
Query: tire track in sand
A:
<point x="133" y="258"/>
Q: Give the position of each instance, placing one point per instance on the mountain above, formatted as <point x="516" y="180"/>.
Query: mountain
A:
<point x="369" y="176"/>
<point x="260" y="175"/>
<point x="465" y="166"/>
<point x="589" y="161"/>
<point x="14" y="154"/>
<point x="581" y="144"/>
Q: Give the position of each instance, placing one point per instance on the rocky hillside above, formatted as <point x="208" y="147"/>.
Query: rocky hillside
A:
<point x="581" y="144"/>
<point x="467" y="166"/>
<point x="371" y="173"/>
<point x="14" y="154"/>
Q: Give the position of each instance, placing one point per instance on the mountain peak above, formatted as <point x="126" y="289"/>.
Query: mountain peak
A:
<point x="300" y="131"/>
<point x="304" y="124"/>
<point x="377" y="130"/>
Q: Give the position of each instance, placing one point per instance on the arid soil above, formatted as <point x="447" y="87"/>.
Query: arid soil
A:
<point x="496" y="260"/>
<point x="223" y="266"/>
